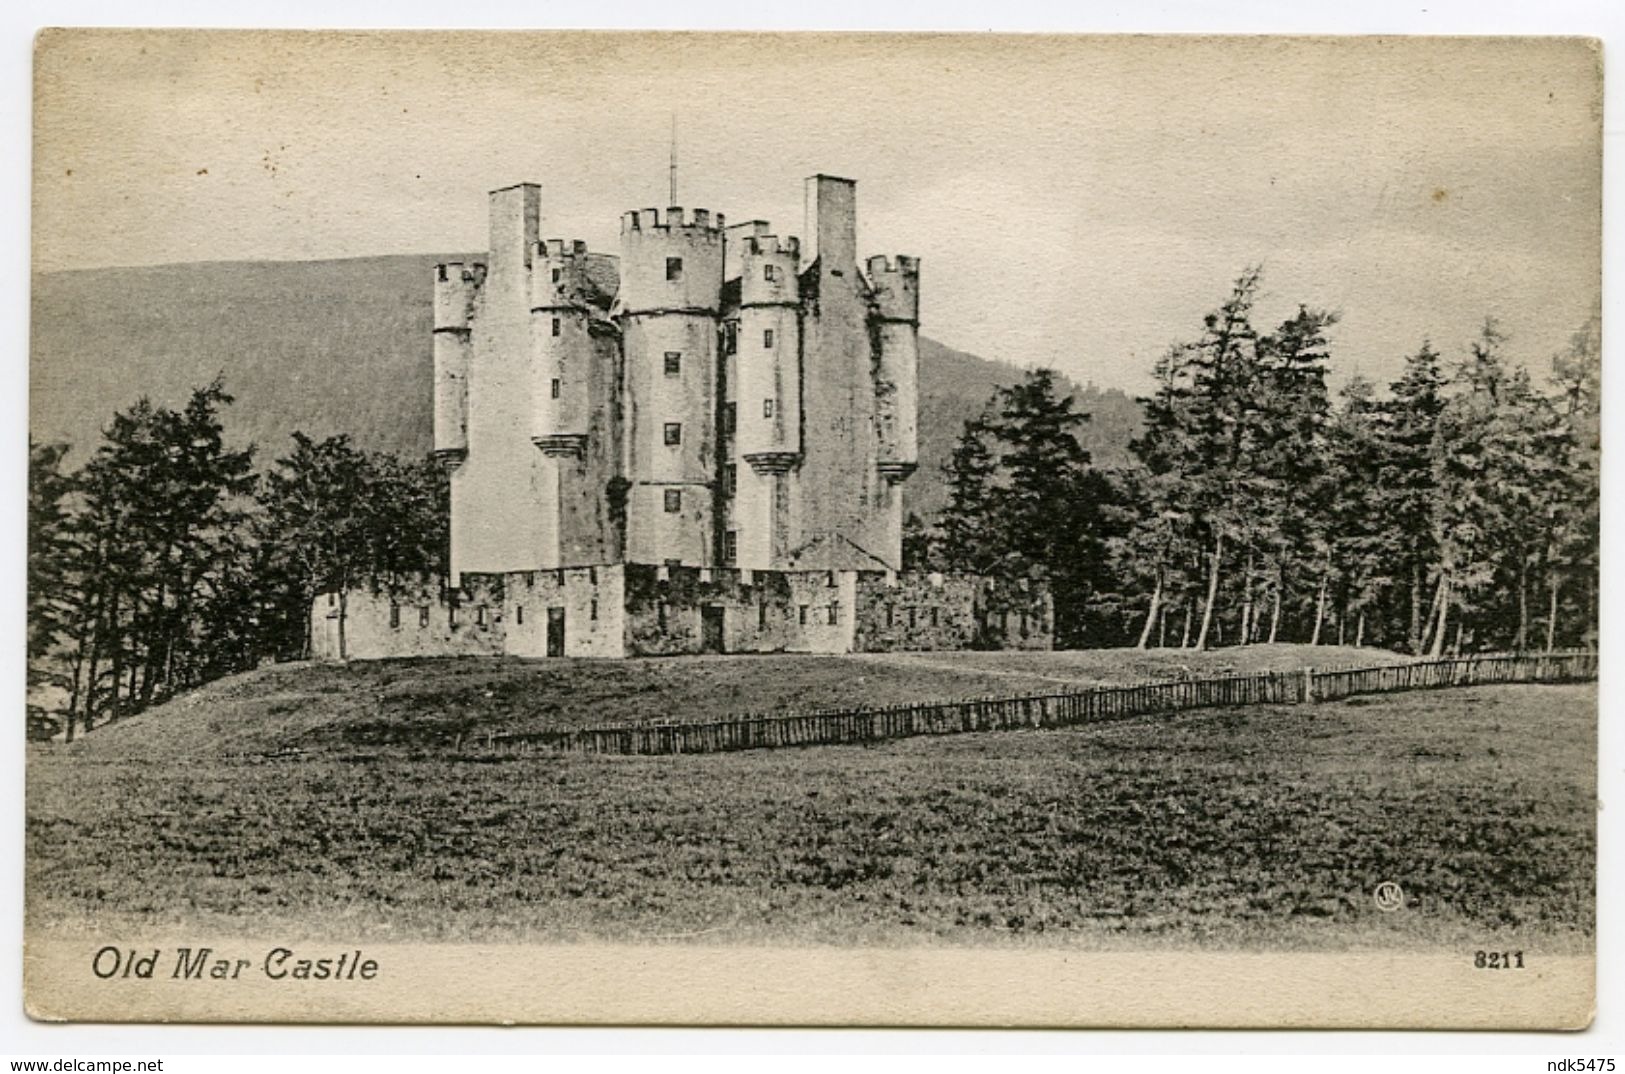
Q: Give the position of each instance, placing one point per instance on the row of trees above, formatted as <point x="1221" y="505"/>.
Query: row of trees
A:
<point x="1458" y="509"/>
<point x="165" y="560"/>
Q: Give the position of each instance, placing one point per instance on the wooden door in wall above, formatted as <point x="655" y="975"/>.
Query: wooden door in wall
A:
<point x="711" y="633"/>
<point x="712" y="637"/>
<point x="555" y="632"/>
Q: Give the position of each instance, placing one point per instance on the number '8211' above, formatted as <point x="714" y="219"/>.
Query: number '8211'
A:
<point x="1498" y="960"/>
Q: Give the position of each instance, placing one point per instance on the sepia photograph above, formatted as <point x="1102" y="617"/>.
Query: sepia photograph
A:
<point x="713" y="528"/>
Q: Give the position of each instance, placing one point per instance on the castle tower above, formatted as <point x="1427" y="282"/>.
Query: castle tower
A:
<point x="845" y="502"/>
<point x="560" y="348"/>
<point x="767" y="401"/>
<point x="670" y="295"/>
<point x="504" y="501"/>
<point x="456" y="289"/>
<point x="896" y="295"/>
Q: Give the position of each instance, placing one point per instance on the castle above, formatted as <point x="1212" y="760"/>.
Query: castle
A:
<point x="697" y="445"/>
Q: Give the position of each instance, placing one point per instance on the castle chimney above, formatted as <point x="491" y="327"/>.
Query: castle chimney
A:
<point x="831" y="232"/>
<point x="515" y="226"/>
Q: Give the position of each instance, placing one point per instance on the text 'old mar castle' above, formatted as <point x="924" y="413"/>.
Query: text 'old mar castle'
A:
<point x="697" y="445"/>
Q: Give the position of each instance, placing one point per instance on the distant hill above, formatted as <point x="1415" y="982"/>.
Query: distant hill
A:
<point x="344" y="346"/>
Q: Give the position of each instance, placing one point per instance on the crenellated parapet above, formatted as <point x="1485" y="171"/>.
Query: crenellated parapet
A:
<point x="558" y="276"/>
<point x="895" y="288"/>
<point x="768" y="271"/>
<point x="456" y="287"/>
<point x="671" y="262"/>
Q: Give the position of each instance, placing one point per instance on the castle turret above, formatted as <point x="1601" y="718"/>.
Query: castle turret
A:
<point x="767" y="398"/>
<point x="456" y="287"/>
<point x="671" y="283"/>
<point x="896" y="316"/>
<point x="560" y="347"/>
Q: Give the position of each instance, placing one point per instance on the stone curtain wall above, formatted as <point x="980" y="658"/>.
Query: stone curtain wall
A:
<point x="411" y="617"/>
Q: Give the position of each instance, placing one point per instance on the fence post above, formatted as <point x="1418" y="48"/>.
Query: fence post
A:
<point x="1308" y="685"/>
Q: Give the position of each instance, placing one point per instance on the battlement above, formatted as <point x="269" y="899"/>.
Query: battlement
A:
<point x="701" y="223"/>
<point x="558" y="248"/>
<point x="895" y="287"/>
<point x="763" y="245"/>
<point x="457" y="271"/>
<point x="881" y="263"/>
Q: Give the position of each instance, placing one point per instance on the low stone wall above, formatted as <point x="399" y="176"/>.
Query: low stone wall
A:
<point x="757" y="611"/>
<point x="409" y="617"/>
<point x="641" y="610"/>
<point x="918" y="611"/>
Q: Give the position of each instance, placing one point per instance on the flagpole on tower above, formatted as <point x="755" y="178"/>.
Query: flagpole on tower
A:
<point x="673" y="199"/>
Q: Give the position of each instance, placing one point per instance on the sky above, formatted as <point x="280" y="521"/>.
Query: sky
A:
<point x="1078" y="202"/>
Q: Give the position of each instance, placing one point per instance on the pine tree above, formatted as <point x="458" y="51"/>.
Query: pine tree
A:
<point x="50" y="553"/>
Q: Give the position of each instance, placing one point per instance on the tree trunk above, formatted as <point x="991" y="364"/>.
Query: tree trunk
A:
<point x="1551" y="613"/>
<point x="1162" y="628"/>
<point x="1523" y="605"/>
<point x="1320" y="611"/>
<point x="1416" y="609"/>
<point x="1275" y="605"/>
<point x="1185" y="638"/>
<point x="1444" y="617"/>
<point x="1151" y="615"/>
<point x="1244" y="636"/>
<point x="1212" y="591"/>
<point x="1359" y="631"/>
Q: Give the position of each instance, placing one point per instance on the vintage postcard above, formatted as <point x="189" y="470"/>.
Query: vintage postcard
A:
<point x="827" y="529"/>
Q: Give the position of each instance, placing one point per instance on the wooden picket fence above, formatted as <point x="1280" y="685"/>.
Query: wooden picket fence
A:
<point x="1063" y="709"/>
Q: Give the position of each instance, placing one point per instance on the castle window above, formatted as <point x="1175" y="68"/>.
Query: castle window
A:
<point x="660" y="613"/>
<point x="558" y="325"/>
<point x="674" y="268"/>
<point x="674" y="501"/>
<point x="770" y="273"/>
<point x="332" y="599"/>
<point x="730" y="337"/>
<point x="519" y="615"/>
<point x="829" y="578"/>
<point x="394" y="616"/>
<point x="555" y="388"/>
<point x="730" y="418"/>
<point x="767" y="338"/>
<point x="592" y="575"/>
<point x="674" y="363"/>
<point x="761" y="617"/>
<point x="891" y="615"/>
<point x="530" y="579"/>
<point x="912" y="619"/>
<point x="674" y="433"/>
<point x="423" y="616"/>
<point x="802" y="611"/>
<point x="593" y="611"/>
<point x="730" y="478"/>
<point x="730" y="546"/>
<point x="1024" y="624"/>
<point x="556" y="274"/>
<point x="933" y="616"/>
<point x="479" y="615"/>
<point x="451" y="612"/>
<point x="767" y="408"/>
<point x="834" y="612"/>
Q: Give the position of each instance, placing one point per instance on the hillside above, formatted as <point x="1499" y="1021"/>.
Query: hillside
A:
<point x="432" y="702"/>
<point x="344" y="346"/>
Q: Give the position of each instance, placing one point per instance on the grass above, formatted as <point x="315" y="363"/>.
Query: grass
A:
<point x="1258" y="828"/>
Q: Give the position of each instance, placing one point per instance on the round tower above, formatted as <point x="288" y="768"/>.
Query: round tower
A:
<point x="456" y="288"/>
<point x="560" y="347"/>
<point x="895" y="291"/>
<point x="671" y="284"/>
<point x="767" y="397"/>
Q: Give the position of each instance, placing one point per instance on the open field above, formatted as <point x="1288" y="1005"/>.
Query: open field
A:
<point x="1265" y="827"/>
<point x="431" y="703"/>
